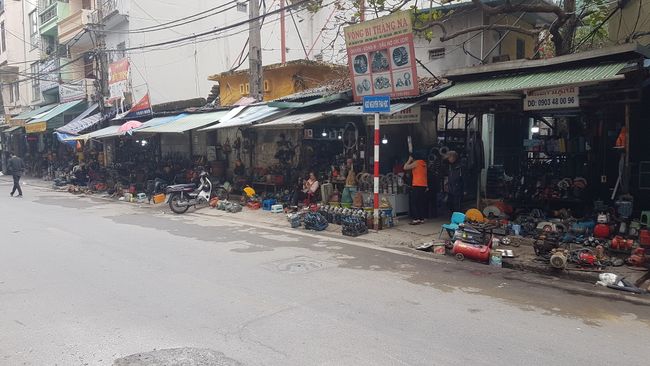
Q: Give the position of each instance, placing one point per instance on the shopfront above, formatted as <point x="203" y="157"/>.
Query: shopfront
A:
<point x="562" y="133"/>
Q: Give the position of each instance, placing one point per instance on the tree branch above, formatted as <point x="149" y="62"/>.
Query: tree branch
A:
<point x="508" y="7"/>
<point x="446" y="37"/>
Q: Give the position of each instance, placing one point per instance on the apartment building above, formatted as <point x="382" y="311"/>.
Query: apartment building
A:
<point x="19" y="56"/>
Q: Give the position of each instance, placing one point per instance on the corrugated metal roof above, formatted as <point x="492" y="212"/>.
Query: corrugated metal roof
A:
<point x="157" y="122"/>
<point x="532" y="80"/>
<point x="251" y="115"/>
<point x="29" y="114"/>
<point x="291" y="121"/>
<point x="187" y="123"/>
<point x="12" y="129"/>
<point x="56" y="111"/>
<point x="356" y="110"/>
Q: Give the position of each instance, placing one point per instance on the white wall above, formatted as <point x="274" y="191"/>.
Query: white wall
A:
<point x="19" y="53"/>
<point x="180" y="71"/>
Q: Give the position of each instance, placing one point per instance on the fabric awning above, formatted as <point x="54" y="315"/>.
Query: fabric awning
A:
<point x="110" y="131"/>
<point x="86" y="119"/>
<point x="187" y="122"/>
<point x="357" y="110"/>
<point x="251" y="115"/>
<point x="29" y="114"/>
<point x="39" y="123"/>
<point x="291" y="121"/>
<point x="531" y="80"/>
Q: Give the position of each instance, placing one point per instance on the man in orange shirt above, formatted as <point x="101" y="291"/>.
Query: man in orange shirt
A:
<point x="418" y="168"/>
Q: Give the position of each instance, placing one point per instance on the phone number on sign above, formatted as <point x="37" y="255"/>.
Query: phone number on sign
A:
<point x="550" y="102"/>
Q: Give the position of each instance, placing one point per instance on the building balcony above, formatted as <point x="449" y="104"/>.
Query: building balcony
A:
<point x="114" y="12"/>
<point x="72" y="25"/>
<point x="50" y="12"/>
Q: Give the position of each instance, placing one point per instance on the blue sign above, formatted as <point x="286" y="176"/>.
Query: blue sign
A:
<point x="376" y="104"/>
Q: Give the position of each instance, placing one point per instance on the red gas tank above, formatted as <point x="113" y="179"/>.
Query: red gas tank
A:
<point x="477" y="252"/>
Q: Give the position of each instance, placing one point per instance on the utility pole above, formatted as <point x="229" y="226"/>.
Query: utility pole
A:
<point x="100" y="56"/>
<point x="255" y="52"/>
<point x="283" y="35"/>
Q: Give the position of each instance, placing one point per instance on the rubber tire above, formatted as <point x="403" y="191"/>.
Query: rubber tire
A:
<point x="460" y="257"/>
<point x="174" y="208"/>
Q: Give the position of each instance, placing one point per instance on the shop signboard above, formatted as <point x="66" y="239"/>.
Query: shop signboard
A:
<point x="49" y="75"/>
<point x="556" y="98"/>
<point x="36" y="127"/>
<point x="403" y="117"/>
<point x="381" y="57"/>
<point x="118" y="78"/>
<point x="72" y="91"/>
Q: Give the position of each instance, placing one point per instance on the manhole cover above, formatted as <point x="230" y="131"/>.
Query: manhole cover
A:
<point x="178" y="357"/>
<point x="298" y="265"/>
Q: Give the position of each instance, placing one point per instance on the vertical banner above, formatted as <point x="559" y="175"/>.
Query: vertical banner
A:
<point x="381" y="57"/>
<point x="118" y="78"/>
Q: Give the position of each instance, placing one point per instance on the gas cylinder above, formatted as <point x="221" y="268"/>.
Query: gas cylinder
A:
<point x="602" y="231"/>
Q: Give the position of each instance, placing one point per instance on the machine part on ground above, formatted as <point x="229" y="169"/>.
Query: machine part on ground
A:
<point x="492" y="211"/>
<point x="602" y="231"/>
<point x="472" y="244"/>
<point x="559" y="258"/>
<point x="638" y="258"/>
<point x="620" y="243"/>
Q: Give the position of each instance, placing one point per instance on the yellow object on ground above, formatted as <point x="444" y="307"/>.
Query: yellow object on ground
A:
<point x="474" y="215"/>
<point x="250" y="192"/>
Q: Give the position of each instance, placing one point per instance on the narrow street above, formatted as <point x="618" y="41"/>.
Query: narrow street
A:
<point x="87" y="281"/>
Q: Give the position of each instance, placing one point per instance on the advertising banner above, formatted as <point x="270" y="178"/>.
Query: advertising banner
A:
<point x="118" y="78"/>
<point x="381" y="57"/>
<point x="75" y="90"/>
<point x="49" y="75"/>
<point x="557" y="98"/>
<point x="141" y="109"/>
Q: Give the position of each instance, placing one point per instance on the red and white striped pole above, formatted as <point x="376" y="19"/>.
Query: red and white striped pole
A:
<point x="376" y="176"/>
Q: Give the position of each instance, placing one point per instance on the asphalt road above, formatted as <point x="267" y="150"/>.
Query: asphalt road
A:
<point x="92" y="282"/>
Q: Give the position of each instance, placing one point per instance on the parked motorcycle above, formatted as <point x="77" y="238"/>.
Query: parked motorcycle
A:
<point x="181" y="196"/>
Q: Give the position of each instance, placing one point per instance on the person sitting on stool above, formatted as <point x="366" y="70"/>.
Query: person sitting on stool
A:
<point x="309" y="188"/>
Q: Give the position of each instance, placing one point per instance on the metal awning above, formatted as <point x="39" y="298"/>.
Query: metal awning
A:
<point x="56" y="111"/>
<point x="110" y="131"/>
<point x="86" y="119"/>
<point x="29" y="114"/>
<point x="187" y="123"/>
<point x="251" y="115"/>
<point x="291" y="121"/>
<point x="155" y="122"/>
<point x="12" y="129"/>
<point x="357" y="110"/>
<point x="532" y="80"/>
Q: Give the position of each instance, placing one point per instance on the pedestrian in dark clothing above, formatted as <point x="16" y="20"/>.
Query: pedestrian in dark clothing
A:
<point x="16" y="168"/>
<point x="454" y="182"/>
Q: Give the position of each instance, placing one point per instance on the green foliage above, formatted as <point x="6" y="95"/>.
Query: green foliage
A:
<point x="594" y="13"/>
<point x="423" y="18"/>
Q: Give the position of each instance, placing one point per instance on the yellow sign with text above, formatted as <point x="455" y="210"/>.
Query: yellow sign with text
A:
<point x="36" y="127"/>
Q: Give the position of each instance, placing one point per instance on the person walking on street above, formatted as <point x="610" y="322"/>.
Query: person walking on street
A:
<point x="418" y="168"/>
<point x="16" y="167"/>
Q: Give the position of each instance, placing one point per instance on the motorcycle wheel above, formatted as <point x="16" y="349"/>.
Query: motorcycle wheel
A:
<point x="173" y="204"/>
